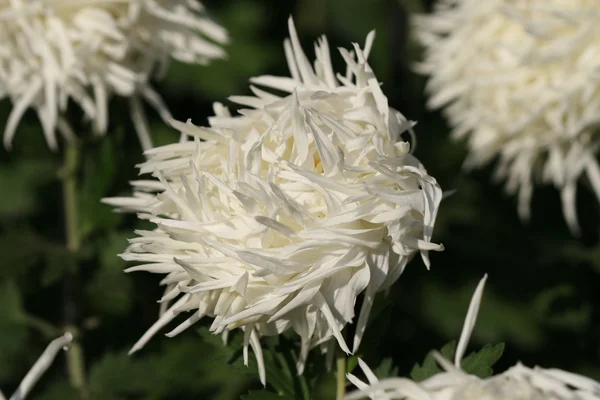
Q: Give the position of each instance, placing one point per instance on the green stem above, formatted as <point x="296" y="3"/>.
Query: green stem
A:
<point x="76" y="364"/>
<point x="75" y="357"/>
<point x="44" y="327"/>
<point x="69" y="178"/>
<point x="341" y="378"/>
<point x="304" y="388"/>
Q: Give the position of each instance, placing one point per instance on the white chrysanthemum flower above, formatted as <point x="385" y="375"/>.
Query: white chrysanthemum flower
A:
<point x="283" y="215"/>
<point x="53" y="51"/>
<point x="517" y="383"/>
<point x="521" y="80"/>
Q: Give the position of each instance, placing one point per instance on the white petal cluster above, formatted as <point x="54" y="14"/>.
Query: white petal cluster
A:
<point x="56" y="51"/>
<point x="517" y="383"/>
<point x="278" y="218"/>
<point x="520" y="79"/>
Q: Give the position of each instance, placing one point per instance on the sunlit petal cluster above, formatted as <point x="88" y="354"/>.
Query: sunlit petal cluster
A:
<point x="517" y="383"/>
<point x="85" y="51"/>
<point x="278" y="218"/>
<point x="520" y="80"/>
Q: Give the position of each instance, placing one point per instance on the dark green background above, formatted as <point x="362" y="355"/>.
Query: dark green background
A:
<point x="539" y="299"/>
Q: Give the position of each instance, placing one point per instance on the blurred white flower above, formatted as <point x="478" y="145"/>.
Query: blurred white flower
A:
<point x="517" y="383"/>
<point x="520" y="79"/>
<point x="53" y="51"/>
<point x="280" y="217"/>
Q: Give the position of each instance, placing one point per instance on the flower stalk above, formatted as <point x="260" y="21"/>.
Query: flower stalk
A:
<point x="44" y="327"/>
<point x="69" y="180"/>
<point x="341" y="378"/>
<point x="75" y="357"/>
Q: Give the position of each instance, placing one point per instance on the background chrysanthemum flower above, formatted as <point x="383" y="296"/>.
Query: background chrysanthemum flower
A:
<point x="517" y="383"/>
<point x="53" y="51"/>
<point x="280" y="217"/>
<point x="520" y="79"/>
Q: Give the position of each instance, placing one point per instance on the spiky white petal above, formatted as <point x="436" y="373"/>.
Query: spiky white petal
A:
<point x="40" y="367"/>
<point x="280" y="217"/>
<point x="53" y="51"/>
<point x="517" y="383"/>
<point x="520" y="79"/>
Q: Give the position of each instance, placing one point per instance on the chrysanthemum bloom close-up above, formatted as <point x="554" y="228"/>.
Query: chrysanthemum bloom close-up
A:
<point x="517" y="383"/>
<point x="278" y="218"/>
<point x="85" y="51"/>
<point x="520" y="81"/>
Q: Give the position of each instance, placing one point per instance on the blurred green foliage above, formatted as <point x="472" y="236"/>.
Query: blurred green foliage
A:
<point x="477" y="363"/>
<point x="541" y="297"/>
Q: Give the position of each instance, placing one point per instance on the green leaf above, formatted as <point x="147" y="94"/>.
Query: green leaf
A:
<point x="386" y="369"/>
<point x="477" y="363"/>
<point x="12" y="307"/>
<point x="351" y="363"/>
<point x="59" y="262"/>
<point x="24" y="248"/>
<point x="57" y="390"/>
<point x="114" y="376"/>
<point x="429" y="367"/>
<point x="181" y="368"/>
<point x="265" y="395"/>
<point x="278" y="371"/>
<point x="279" y="356"/>
<point x="20" y="250"/>
<point x="556" y="308"/>
<point x="577" y="252"/>
<point x="449" y="350"/>
<point x="480" y="363"/>
<point x="13" y="332"/>
<point x="222" y="351"/>
<point x="110" y="288"/>
<point x="20" y="183"/>
<point x="99" y="171"/>
<point x="229" y="354"/>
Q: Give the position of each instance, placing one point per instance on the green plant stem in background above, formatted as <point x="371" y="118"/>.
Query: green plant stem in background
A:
<point x="44" y="327"/>
<point x="341" y="378"/>
<point x="69" y="178"/>
<point x="75" y="364"/>
<point x="304" y="388"/>
<point x="75" y="357"/>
